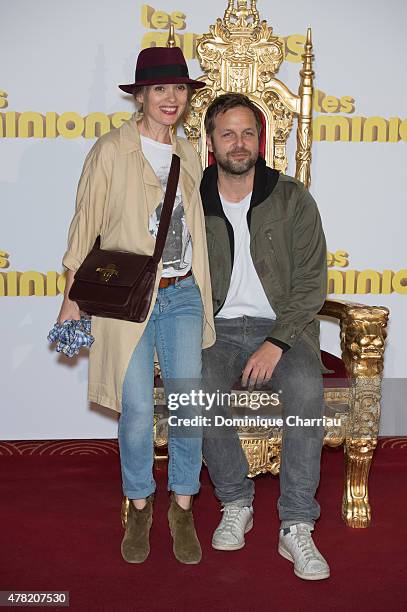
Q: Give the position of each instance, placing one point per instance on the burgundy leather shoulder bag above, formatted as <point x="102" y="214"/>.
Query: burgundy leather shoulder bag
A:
<point x="120" y="285"/>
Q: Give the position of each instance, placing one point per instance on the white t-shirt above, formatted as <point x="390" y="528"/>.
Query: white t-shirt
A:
<point x="246" y="295"/>
<point x="177" y="253"/>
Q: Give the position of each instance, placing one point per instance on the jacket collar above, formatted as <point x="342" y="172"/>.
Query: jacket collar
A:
<point x="130" y="138"/>
<point x="265" y="179"/>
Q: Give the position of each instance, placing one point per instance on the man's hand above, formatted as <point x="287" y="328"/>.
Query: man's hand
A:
<point x="260" y="366"/>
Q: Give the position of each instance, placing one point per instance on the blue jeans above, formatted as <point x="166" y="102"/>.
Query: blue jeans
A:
<point x="175" y="331"/>
<point x="297" y="377"/>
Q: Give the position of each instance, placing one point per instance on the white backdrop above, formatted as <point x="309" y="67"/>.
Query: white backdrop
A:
<point x="68" y="57"/>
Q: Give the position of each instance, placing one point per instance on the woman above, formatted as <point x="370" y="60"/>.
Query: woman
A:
<point x="120" y="198"/>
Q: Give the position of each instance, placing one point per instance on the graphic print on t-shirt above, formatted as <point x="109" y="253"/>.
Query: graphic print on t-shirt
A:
<point x="177" y="249"/>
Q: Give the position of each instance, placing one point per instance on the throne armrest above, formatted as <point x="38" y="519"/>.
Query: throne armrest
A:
<point x="362" y="333"/>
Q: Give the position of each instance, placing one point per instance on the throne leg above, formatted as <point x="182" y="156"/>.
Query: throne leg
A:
<point x="363" y="335"/>
<point x="361" y="441"/>
<point x="355" y="504"/>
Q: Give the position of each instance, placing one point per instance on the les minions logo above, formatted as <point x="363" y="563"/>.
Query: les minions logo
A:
<point x="340" y="282"/>
<point x="329" y="125"/>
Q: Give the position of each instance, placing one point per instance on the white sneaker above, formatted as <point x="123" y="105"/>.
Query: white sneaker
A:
<point x="297" y="546"/>
<point x="236" y="521"/>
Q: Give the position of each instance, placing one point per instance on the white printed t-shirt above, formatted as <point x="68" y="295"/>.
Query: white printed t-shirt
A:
<point x="246" y="295"/>
<point x="177" y="253"/>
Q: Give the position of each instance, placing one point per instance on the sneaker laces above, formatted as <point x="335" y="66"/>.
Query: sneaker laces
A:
<point x="230" y="515"/>
<point x="304" y="541"/>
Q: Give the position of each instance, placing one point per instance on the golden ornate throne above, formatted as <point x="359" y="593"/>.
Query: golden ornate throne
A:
<point x="240" y="54"/>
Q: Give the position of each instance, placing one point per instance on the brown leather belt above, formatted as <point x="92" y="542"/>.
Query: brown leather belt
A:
<point x="166" y="282"/>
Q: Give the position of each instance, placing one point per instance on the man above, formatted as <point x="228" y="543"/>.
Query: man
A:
<point x="267" y="256"/>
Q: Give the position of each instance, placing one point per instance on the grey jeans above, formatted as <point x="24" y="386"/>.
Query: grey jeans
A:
<point x="298" y="380"/>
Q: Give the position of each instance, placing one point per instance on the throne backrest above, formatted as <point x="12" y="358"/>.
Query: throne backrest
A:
<point x="240" y="54"/>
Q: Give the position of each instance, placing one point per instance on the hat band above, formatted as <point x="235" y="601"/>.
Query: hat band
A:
<point x="166" y="70"/>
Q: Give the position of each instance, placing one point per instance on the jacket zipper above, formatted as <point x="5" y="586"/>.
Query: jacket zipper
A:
<point x="275" y="261"/>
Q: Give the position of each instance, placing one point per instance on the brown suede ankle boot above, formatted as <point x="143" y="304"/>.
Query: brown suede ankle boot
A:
<point x="186" y="545"/>
<point x="136" y="545"/>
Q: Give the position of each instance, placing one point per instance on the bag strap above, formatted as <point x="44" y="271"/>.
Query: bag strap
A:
<point x="167" y="208"/>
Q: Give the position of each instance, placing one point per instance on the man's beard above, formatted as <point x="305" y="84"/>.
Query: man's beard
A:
<point x="236" y="166"/>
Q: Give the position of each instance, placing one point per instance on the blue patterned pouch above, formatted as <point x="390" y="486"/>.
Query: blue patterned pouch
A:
<point x="71" y="336"/>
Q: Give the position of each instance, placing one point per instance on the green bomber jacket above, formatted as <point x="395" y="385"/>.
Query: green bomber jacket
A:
<point x="287" y="245"/>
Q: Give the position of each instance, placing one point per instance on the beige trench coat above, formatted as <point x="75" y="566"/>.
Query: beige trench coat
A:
<point x="118" y="190"/>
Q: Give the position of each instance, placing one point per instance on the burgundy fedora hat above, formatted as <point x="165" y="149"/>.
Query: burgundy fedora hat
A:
<point x="157" y="65"/>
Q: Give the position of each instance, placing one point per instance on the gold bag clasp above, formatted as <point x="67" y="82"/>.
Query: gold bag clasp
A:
<point x="108" y="272"/>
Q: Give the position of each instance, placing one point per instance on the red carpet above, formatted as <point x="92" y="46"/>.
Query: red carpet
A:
<point x="60" y="530"/>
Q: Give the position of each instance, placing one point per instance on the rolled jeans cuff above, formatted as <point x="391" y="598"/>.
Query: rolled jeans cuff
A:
<point x="142" y="494"/>
<point x="184" y="489"/>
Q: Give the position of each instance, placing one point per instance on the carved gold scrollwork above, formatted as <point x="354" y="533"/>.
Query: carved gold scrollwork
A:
<point x="239" y="54"/>
<point x="282" y="121"/>
<point x="194" y="119"/>
<point x="242" y="16"/>
<point x="363" y="334"/>
<point x="261" y="456"/>
<point x="160" y="431"/>
<point x="256" y="451"/>
<point x="303" y="155"/>
<point x="335" y="435"/>
<point x="363" y="428"/>
<point x="262" y="447"/>
<point x="365" y="399"/>
<point x="274" y="460"/>
<point x="270" y="59"/>
<point x="355" y="504"/>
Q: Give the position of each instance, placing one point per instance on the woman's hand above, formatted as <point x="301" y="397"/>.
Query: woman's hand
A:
<point x="69" y="309"/>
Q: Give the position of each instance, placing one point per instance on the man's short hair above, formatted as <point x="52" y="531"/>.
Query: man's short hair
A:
<point x="226" y="102"/>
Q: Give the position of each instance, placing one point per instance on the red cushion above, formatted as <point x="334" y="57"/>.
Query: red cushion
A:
<point x="339" y="378"/>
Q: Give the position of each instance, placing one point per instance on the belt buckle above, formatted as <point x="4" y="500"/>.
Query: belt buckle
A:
<point x="172" y="280"/>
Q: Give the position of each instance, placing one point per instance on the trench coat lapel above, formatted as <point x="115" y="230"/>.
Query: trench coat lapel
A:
<point x="186" y="181"/>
